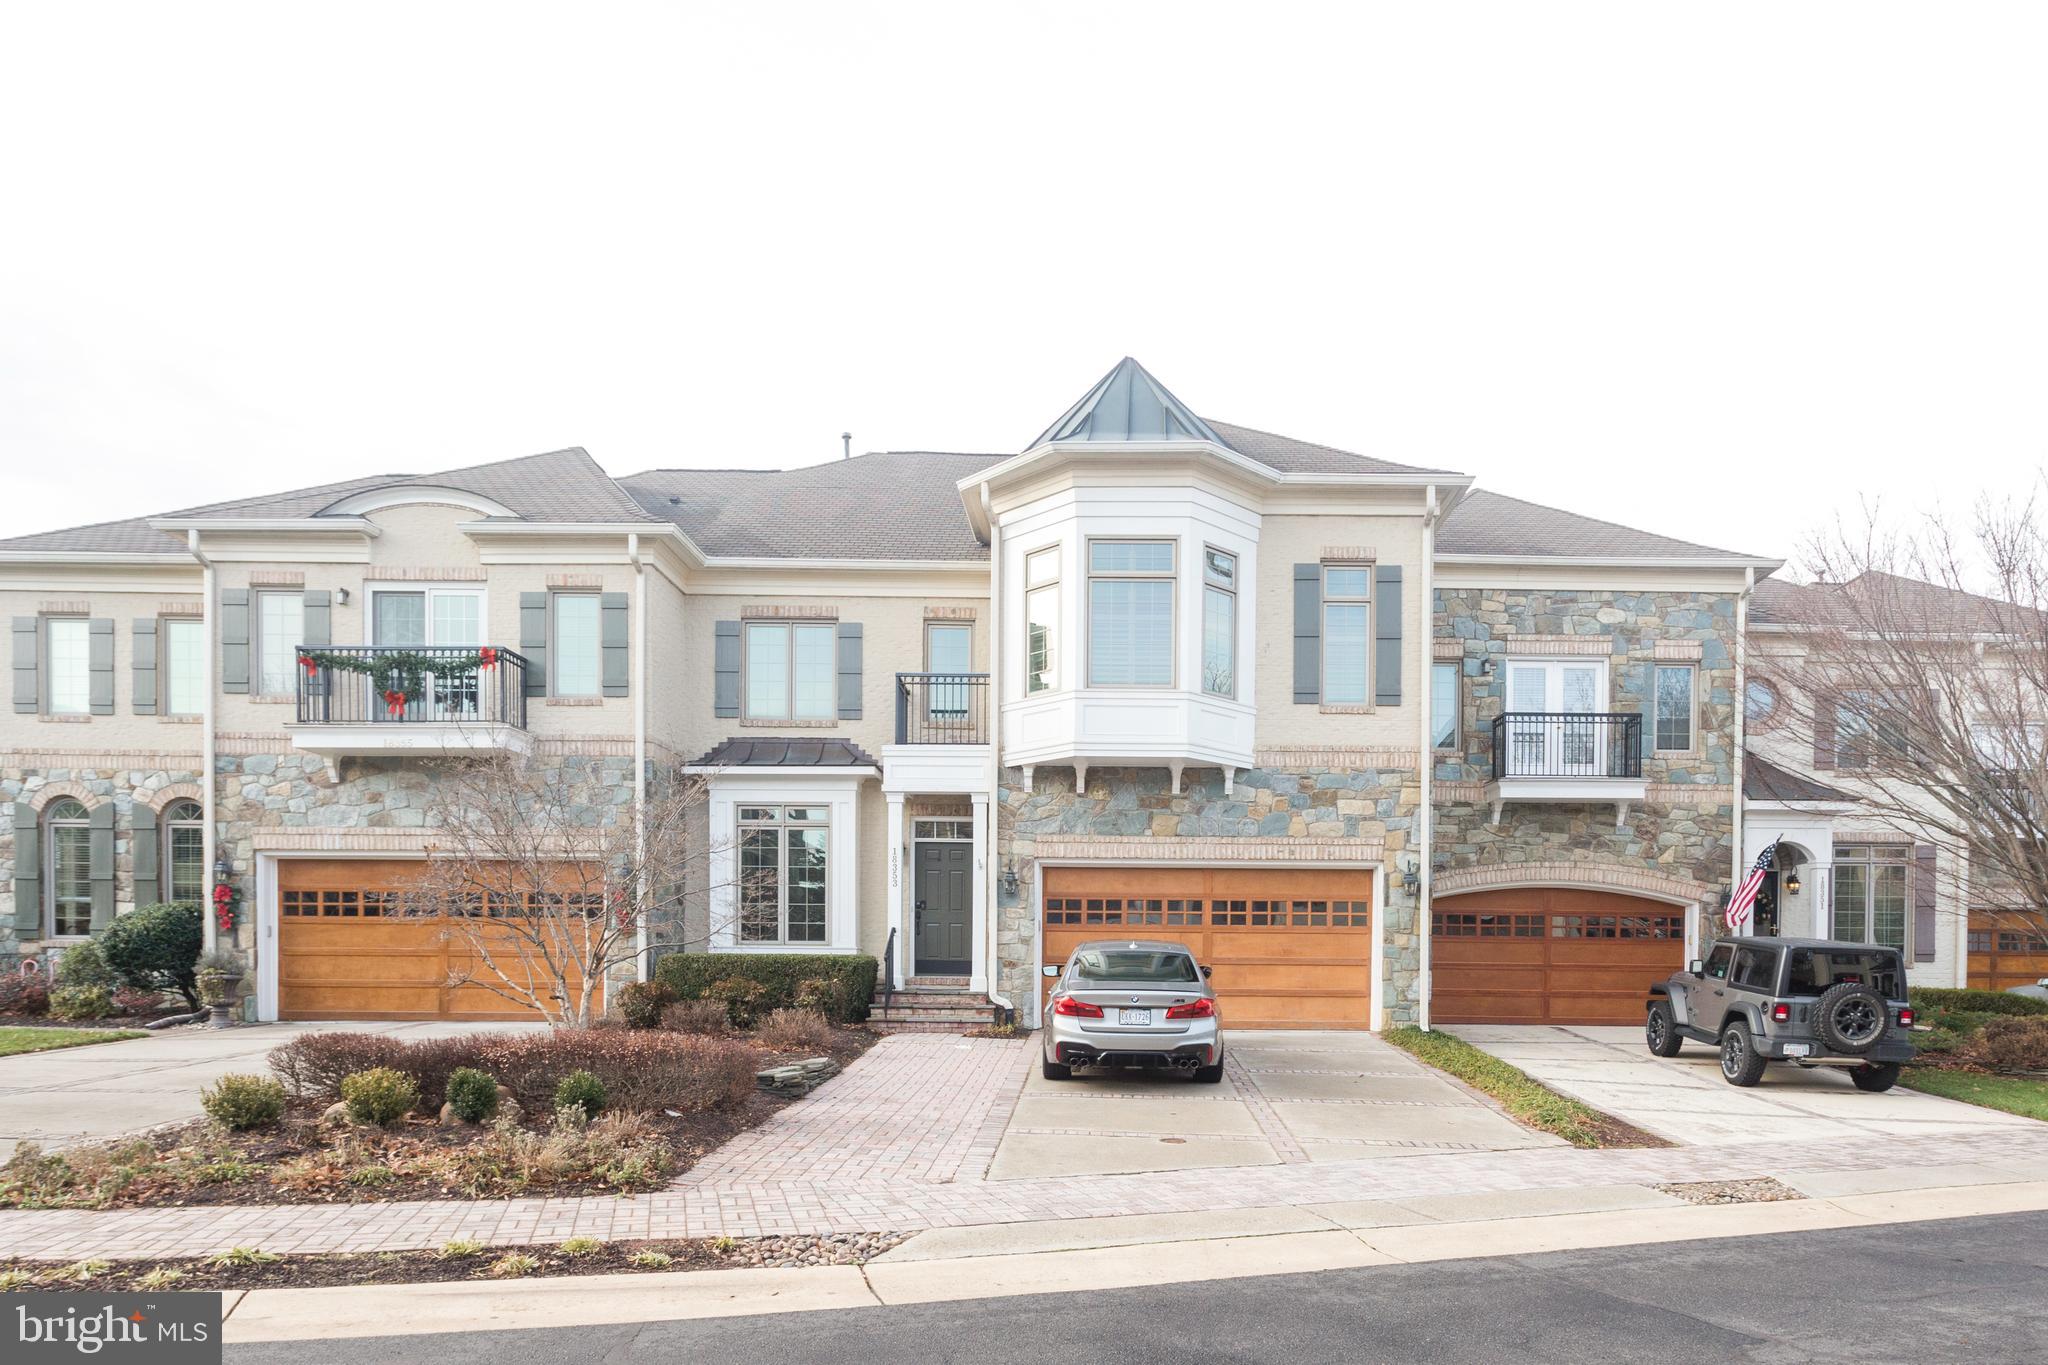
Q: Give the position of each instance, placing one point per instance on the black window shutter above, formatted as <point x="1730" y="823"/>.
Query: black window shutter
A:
<point x="319" y="622"/>
<point x="614" y="634"/>
<point x="1824" y="736"/>
<point x="142" y="680"/>
<point x="234" y="640"/>
<point x="1308" y="634"/>
<point x="849" y="670"/>
<point x="725" y="669"/>
<point x="1386" y="615"/>
<point x="144" y="843"/>
<point x="533" y="641"/>
<point x="100" y="665"/>
<point x="100" y="863"/>
<point x="1923" y="903"/>
<point x="28" y="871"/>
<point x="28" y="692"/>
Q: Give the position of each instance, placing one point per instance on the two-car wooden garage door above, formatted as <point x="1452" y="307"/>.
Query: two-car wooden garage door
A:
<point x="351" y="947"/>
<point x="1550" y="955"/>
<point x="1291" y="947"/>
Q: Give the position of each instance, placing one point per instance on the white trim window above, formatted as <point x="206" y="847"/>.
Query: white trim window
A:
<point x="576" y="659"/>
<point x="1041" y="620"/>
<point x="1673" y="689"/>
<point x="784" y="862"/>
<point x="1130" y="613"/>
<point x="67" y="652"/>
<point x="280" y="630"/>
<point x="949" y="654"/>
<point x="1347" y="634"/>
<point x="184" y="852"/>
<point x="1219" y="622"/>
<point x="1443" y="705"/>
<point x="790" y="671"/>
<point x="1869" y="897"/>
<point x="67" y="870"/>
<point x="184" y="666"/>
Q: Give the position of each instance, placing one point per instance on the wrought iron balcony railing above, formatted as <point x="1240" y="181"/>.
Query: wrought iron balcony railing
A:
<point x="1567" y="744"/>
<point x="493" y="694"/>
<point x="942" y="708"/>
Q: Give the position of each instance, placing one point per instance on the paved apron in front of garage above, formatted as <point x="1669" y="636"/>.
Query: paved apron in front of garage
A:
<point x="1286" y="1097"/>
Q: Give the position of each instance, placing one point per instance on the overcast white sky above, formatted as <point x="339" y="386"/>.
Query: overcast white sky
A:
<point x="1710" y="270"/>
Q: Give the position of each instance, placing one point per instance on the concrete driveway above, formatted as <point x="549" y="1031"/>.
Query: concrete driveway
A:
<point x="103" y="1090"/>
<point x="1684" y="1098"/>
<point x="1285" y="1097"/>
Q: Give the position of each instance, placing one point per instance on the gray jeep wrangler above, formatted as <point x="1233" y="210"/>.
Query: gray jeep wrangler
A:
<point x="1812" y="1002"/>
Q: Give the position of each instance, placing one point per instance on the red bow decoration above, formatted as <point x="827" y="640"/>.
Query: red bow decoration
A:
<point x="394" y="702"/>
<point x="487" y="657"/>
<point x="310" y="665"/>
<point x="224" y="906"/>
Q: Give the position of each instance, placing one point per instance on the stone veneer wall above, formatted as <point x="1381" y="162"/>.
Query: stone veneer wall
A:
<point x="1681" y="837"/>
<point x="134" y="789"/>
<point x="1316" y="806"/>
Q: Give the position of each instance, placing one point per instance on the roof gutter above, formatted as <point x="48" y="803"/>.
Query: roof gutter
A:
<point x="1431" y="514"/>
<point x="208" y="734"/>
<point x="1741" y="739"/>
<point x="640" y="654"/>
<point x="992" y="960"/>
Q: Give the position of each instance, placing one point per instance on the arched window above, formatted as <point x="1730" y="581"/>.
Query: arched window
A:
<point x="67" y="870"/>
<point x="184" y="856"/>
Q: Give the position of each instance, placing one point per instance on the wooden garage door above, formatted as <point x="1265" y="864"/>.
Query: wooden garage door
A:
<point x="346" y="952"/>
<point x="2006" y="951"/>
<point x="1549" y="955"/>
<point x="1291" y="947"/>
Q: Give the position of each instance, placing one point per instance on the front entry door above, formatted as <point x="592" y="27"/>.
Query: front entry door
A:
<point x="944" y="898"/>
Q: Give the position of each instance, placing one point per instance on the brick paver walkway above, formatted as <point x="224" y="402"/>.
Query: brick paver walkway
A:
<point x="901" y="1142"/>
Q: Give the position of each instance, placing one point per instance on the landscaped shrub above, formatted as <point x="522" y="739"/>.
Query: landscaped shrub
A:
<point x="696" y="1016"/>
<point x="849" y="978"/>
<point x="1926" y="998"/>
<point x="156" y="948"/>
<point x="243" y="1101"/>
<point x="2011" y="1044"/>
<point x="85" y="965"/>
<point x="472" y="1094"/>
<point x="742" y="999"/>
<point x="580" y="1090"/>
<point x="796" y="1031"/>
<point x="26" y="994"/>
<point x="380" y="1095"/>
<point x="314" y="1065"/>
<point x="641" y="1003"/>
<point x="639" y="1069"/>
<point x="81" y="1002"/>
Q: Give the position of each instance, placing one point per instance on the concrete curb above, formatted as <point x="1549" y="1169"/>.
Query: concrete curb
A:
<point x="471" y="1306"/>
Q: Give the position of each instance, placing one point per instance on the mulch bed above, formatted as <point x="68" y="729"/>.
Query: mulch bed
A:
<point x="1613" y="1132"/>
<point x="416" y="1267"/>
<point x="689" y="1135"/>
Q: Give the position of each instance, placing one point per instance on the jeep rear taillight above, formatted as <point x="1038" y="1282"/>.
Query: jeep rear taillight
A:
<point x="1781" y="1014"/>
<point x="1906" y="1017"/>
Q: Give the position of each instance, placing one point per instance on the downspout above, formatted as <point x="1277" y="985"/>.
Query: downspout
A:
<point x="1426" y="816"/>
<point x="993" y="893"/>
<point x="1737" y="862"/>
<point x="209" y="777"/>
<point x="639" y="685"/>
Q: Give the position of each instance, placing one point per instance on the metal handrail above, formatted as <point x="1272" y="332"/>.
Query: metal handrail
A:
<point x="337" y="696"/>
<point x="1567" y="744"/>
<point x="942" y="708"/>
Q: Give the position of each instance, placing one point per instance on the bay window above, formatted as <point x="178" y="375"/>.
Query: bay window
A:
<point x="1219" y="623"/>
<point x="1130" y="613"/>
<point x="1347" y="634"/>
<point x="783" y="854"/>
<point x="791" y="671"/>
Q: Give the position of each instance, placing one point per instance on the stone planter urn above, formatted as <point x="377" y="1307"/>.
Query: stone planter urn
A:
<point x="218" y="987"/>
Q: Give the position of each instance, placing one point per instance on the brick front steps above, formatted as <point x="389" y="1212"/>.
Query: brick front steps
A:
<point x="931" y="1004"/>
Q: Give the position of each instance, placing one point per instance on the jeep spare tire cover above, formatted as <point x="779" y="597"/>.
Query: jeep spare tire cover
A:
<point x="1850" y="1018"/>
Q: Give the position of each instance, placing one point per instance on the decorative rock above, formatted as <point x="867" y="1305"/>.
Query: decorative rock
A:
<point x="335" y="1115"/>
<point x="449" y="1118"/>
<point x="798" y="1078"/>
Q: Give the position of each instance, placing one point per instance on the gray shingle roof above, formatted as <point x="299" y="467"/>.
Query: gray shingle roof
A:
<point x="558" y="485"/>
<point x="1494" y="524"/>
<point x="1763" y="780"/>
<point x="781" y="752"/>
<point x="893" y="505"/>
<point x="1290" y="456"/>
<point x="134" y="535"/>
<point x="1873" y="597"/>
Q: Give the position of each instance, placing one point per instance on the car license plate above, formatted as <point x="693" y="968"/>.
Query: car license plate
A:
<point x="1797" y="1049"/>
<point x="1139" y="1017"/>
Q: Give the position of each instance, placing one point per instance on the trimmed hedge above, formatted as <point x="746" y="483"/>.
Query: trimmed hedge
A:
<point x="156" y="948"/>
<point x="1975" y="1001"/>
<point x="847" y="990"/>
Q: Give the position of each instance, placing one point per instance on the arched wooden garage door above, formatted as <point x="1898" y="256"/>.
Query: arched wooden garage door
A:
<point x="2006" y="950"/>
<point x="1549" y="955"/>
<point x="1291" y="947"/>
<point x="347" y="950"/>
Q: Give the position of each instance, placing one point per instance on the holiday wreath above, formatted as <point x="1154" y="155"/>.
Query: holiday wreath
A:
<point x="400" y="674"/>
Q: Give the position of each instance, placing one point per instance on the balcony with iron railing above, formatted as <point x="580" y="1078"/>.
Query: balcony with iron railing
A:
<point x="942" y="735"/>
<point x="1553" y="756"/>
<point x="410" y="699"/>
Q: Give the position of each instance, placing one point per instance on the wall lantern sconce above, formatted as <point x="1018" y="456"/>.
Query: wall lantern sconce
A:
<point x="1792" y="883"/>
<point x="223" y="870"/>
<point x="1009" y="877"/>
<point x="341" y="596"/>
<point x="1411" y="874"/>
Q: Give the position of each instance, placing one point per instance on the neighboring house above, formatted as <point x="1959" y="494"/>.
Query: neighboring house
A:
<point x="1380" y="747"/>
<point x="1844" y="869"/>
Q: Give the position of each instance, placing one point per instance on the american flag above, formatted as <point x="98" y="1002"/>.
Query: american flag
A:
<point x="1744" y="900"/>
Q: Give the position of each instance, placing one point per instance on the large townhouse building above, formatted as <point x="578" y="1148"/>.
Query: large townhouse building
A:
<point x="1383" y="747"/>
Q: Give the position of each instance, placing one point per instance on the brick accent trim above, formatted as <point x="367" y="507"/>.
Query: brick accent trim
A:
<point x="64" y="608"/>
<point x="413" y="841"/>
<point x="949" y="613"/>
<point x="382" y="574"/>
<point x="1689" y="794"/>
<point x="1345" y="554"/>
<point x="177" y="791"/>
<point x="239" y="745"/>
<point x="1443" y="651"/>
<point x="1627" y="880"/>
<point x="1601" y="645"/>
<point x="1303" y="757"/>
<point x="192" y="607"/>
<point x="762" y="612"/>
<point x="575" y="580"/>
<point x="1458" y="793"/>
<point x="788" y="724"/>
<point x="277" y="578"/>
<point x="53" y="791"/>
<point x="1680" y="651"/>
<point x="574" y="701"/>
<point x="1141" y="849"/>
<point x="96" y="758"/>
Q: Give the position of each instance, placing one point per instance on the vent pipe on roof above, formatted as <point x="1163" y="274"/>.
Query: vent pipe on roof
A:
<point x="846" y="445"/>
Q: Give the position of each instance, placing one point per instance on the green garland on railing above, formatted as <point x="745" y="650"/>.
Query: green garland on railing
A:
<point x="401" y="673"/>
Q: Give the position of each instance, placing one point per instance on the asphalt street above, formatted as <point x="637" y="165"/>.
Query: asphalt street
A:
<point x="1963" y="1290"/>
